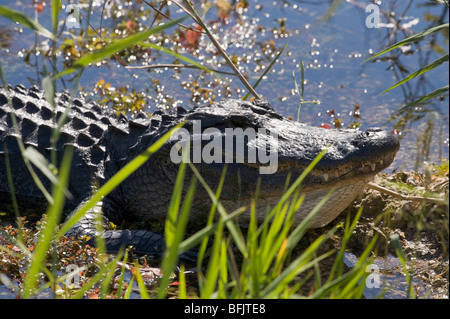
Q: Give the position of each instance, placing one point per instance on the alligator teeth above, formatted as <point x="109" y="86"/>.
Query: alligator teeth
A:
<point x="381" y="162"/>
<point x="325" y="176"/>
<point x="372" y="166"/>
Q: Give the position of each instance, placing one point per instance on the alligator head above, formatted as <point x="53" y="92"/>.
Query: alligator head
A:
<point x="261" y="149"/>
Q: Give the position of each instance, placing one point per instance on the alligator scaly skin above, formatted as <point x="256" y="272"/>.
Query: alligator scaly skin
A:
<point x="90" y="129"/>
<point x="103" y="144"/>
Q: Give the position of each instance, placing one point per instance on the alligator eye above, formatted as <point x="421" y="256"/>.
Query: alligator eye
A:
<point x="373" y="130"/>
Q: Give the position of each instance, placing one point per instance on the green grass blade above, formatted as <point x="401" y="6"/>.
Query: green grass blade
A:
<point x="351" y="289"/>
<point x="115" y="47"/>
<point x="212" y="212"/>
<point x="338" y="265"/>
<point x="100" y="243"/>
<point x="275" y="243"/>
<point x="171" y="224"/>
<point x="213" y="269"/>
<point x="278" y="231"/>
<point x="106" y="281"/>
<point x="56" y="7"/>
<point x="13" y="193"/>
<point x="46" y="237"/>
<point x="178" y="56"/>
<point x="182" y="294"/>
<point x="395" y="239"/>
<point x="47" y="168"/>
<point x="122" y="275"/>
<point x="300" y="95"/>
<point x="33" y="156"/>
<point x="129" y="289"/>
<point x="223" y="270"/>
<point x="410" y="39"/>
<point x="25" y="21"/>
<point x="142" y="289"/>
<point x="302" y="176"/>
<point x="302" y="77"/>
<point x="303" y="262"/>
<point x="171" y="254"/>
<point x="49" y="90"/>
<point x="431" y="95"/>
<point x="325" y="289"/>
<point x="425" y="69"/>
<point x="302" y="74"/>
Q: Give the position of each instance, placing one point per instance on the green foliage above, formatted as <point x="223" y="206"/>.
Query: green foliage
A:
<point x="115" y="47"/>
<point x="436" y="93"/>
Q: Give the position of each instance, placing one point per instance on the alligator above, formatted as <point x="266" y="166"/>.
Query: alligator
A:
<point x="103" y="143"/>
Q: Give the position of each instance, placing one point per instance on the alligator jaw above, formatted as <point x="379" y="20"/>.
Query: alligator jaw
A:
<point x="346" y="183"/>
<point x="340" y="197"/>
<point x="320" y="179"/>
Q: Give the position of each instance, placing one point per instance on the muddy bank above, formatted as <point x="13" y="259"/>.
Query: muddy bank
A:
<point x="422" y="227"/>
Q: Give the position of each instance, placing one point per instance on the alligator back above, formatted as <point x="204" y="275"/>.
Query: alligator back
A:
<point x="85" y="128"/>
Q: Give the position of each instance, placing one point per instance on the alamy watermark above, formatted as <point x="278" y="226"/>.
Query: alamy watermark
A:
<point x="73" y="277"/>
<point x="212" y="145"/>
<point x="373" y="19"/>
<point x="73" y="16"/>
<point x="373" y="280"/>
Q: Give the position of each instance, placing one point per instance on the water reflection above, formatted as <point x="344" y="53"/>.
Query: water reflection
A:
<point x="387" y="279"/>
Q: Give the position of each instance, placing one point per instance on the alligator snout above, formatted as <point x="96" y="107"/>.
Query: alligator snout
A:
<point x="376" y="142"/>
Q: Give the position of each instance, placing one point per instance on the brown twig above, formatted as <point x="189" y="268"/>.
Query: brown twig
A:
<point x="185" y="10"/>
<point x="382" y="189"/>
<point x="158" y="11"/>
<point x="213" y="39"/>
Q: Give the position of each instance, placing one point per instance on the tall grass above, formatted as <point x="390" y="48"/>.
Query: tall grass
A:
<point x="438" y="62"/>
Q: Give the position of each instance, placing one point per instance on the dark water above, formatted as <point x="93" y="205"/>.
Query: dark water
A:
<point x="330" y="37"/>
